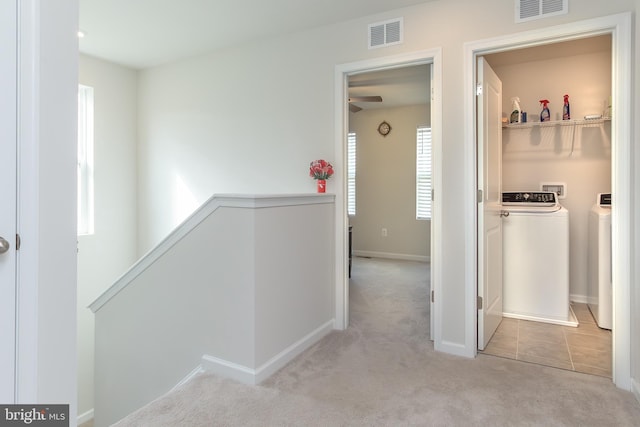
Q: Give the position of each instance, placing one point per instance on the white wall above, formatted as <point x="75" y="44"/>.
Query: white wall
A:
<point x="292" y="299"/>
<point x="386" y="184"/>
<point x="154" y="332"/>
<point x="232" y="122"/>
<point x="252" y="117"/>
<point x="578" y="156"/>
<point x="111" y="250"/>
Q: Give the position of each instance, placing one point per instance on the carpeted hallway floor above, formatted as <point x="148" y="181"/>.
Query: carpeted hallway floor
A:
<point x="383" y="371"/>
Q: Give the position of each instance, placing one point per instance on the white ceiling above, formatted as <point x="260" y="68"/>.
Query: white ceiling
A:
<point x="550" y="51"/>
<point x="146" y="33"/>
<point x="397" y="87"/>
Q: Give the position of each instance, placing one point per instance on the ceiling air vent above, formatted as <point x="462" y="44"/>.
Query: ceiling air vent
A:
<point x="528" y="10"/>
<point x="385" y="33"/>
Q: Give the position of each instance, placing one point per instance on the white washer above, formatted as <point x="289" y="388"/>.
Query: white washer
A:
<point x="536" y="258"/>
<point x="599" y="273"/>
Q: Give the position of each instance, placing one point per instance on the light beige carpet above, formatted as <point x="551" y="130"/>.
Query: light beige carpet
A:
<point x="383" y="371"/>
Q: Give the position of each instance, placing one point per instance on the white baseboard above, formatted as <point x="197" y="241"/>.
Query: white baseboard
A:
<point x="227" y="369"/>
<point x="247" y="375"/>
<point x="389" y="255"/>
<point x="582" y="299"/>
<point x="571" y="321"/>
<point x="280" y="360"/>
<point x="635" y="389"/>
<point x="454" y="348"/>
<point x="87" y="416"/>
<point x="189" y="376"/>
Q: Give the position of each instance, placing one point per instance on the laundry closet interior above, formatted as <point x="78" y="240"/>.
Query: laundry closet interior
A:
<point x="570" y="157"/>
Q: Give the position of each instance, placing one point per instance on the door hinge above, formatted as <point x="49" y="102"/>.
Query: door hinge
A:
<point x="478" y="90"/>
<point x="479" y="196"/>
<point x="479" y="303"/>
<point x="18" y="242"/>
<point x="433" y="299"/>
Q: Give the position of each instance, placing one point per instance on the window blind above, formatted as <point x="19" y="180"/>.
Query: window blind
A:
<point x="423" y="173"/>
<point x="351" y="173"/>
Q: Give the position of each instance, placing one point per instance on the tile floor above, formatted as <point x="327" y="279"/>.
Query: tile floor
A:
<point x="586" y="348"/>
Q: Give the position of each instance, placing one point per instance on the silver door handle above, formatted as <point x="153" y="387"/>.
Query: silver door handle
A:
<point x="504" y="213"/>
<point x="4" y="245"/>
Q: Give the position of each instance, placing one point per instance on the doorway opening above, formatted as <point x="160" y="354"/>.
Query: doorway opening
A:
<point x="618" y="29"/>
<point x="576" y="154"/>
<point x="389" y="216"/>
<point x="365" y="74"/>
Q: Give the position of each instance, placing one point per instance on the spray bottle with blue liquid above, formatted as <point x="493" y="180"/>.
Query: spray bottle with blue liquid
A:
<point x="545" y="116"/>
<point x="566" y="113"/>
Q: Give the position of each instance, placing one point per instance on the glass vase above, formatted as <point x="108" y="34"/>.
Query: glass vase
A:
<point x="322" y="185"/>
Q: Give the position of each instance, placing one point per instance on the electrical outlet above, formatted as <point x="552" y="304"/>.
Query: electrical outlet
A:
<point x="384" y="232"/>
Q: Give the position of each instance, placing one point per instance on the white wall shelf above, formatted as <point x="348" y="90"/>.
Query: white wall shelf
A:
<point x="581" y="122"/>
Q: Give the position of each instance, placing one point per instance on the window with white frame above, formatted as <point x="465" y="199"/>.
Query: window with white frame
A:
<point x="351" y="173"/>
<point x="423" y="173"/>
<point x="85" y="160"/>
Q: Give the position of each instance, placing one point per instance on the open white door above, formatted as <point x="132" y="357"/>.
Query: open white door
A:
<point x="8" y="138"/>
<point x="489" y="106"/>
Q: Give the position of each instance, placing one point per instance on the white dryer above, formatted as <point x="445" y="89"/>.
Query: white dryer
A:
<point x="599" y="273"/>
<point x="536" y="258"/>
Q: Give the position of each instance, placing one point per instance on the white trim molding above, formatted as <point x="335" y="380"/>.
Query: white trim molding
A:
<point x="244" y="201"/>
<point x="619" y="26"/>
<point x="390" y="255"/>
<point x="251" y="376"/>
<point x="579" y="298"/>
<point x="85" y="417"/>
<point x="227" y="369"/>
<point x="191" y="375"/>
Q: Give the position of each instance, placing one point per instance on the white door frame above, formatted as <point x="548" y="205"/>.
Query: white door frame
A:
<point x="619" y="26"/>
<point x="8" y="179"/>
<point x="342" y="73"/>
<point x="28" y="219"/>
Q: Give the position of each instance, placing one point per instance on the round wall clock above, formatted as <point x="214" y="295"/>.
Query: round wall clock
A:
<point x="384" y="128"/>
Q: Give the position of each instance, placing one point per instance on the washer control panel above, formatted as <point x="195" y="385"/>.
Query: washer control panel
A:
<point x="534" y="198"/>
<point x="604" y="200"/>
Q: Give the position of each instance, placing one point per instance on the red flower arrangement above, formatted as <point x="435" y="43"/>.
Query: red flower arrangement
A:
<point x="320" y="169"/>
